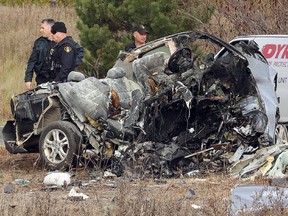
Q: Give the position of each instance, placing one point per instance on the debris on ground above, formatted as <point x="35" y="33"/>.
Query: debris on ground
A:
<point x="8" y="189"/>
<point x="75" y="195"/>
<point x="249" y="199"/>
<point x="58" y="179"/>
<point x="21" y="181"/>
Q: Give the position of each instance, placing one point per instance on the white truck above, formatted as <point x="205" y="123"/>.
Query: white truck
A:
<point x="275" y="50"/>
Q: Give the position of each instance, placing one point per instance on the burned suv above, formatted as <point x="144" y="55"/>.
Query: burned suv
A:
<point x="165" y="102"/>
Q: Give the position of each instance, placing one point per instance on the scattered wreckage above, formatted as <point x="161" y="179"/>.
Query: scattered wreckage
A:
<point x="162" y="110"/>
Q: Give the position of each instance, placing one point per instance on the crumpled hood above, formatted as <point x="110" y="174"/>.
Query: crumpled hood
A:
<point x="264" y="78"/>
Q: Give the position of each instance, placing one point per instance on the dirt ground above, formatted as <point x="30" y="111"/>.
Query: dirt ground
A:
<point x="24" y="193"/>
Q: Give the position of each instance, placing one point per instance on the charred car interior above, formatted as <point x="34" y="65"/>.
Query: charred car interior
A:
<point x="165" y="107"/>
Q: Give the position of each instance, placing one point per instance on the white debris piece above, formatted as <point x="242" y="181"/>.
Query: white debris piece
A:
<point x="57" y="178"/>
<point x="194" y="206"/>
<point x="191" y="130"/>
<point x="237" y="155"/>
<point x="280" y="165"/>
<point x="74" y="195"/>
<point x="108" y="174"/>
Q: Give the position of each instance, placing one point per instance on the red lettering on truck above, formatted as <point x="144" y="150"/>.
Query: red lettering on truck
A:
<point x="285" y="53"/>
<point x="269" y="50"/>
<point x="275" y="51"/>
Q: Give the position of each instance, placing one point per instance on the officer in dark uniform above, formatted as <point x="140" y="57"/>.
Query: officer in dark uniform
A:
<point x="139" y="37"/>
<point x="39" y="59"/>
<point x="63" y="55"/>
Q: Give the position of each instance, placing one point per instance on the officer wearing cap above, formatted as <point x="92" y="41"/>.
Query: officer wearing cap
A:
<point x="63" y="55"/>
<point x="139" y="36"/>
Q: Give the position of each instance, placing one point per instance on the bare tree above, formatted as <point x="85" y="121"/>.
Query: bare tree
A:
<point x="237" y="17"/>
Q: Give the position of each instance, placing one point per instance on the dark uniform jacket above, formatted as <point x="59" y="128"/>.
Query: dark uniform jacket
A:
<point x="79" y="50"/>
<point x="63" y="60"/>
<point x="39" y="61"/>
<point x="129" y="47"/>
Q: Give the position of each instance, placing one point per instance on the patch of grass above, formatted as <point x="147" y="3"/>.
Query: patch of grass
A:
<point x="3" y="151"/>
<point x="121" y="196"/>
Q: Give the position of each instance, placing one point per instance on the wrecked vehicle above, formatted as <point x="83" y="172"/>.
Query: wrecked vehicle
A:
<point x="164" y="106"/>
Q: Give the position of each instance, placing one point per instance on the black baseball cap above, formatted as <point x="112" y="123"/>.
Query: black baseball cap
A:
<point x="141" y="29"/>
<point x="58" y="27"/>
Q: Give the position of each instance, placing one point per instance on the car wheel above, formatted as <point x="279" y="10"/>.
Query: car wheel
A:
<point x="281" y="134"/>
<point x="59" y="145"/>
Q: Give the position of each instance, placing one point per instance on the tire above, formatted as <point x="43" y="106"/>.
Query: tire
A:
<point x="281" y="134"/>
<point x="59" y="145"/>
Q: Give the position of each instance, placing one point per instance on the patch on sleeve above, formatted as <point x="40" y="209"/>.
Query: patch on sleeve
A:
<point x="67" y="49"/>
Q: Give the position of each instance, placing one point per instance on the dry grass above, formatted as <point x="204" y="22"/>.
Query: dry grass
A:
<point x="107" y="196"/>
<point x="20" y="28"/>
<point x="119" y="196"/>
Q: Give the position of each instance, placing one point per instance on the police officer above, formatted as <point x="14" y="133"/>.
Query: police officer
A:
<point x="139" y="36"/>
<point x="63" y="55"/>
<point x="39" y="59"/>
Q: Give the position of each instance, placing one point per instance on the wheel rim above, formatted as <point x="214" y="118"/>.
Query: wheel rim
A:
<point x="281" y="134"/>
<point x="56" y="146"/>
